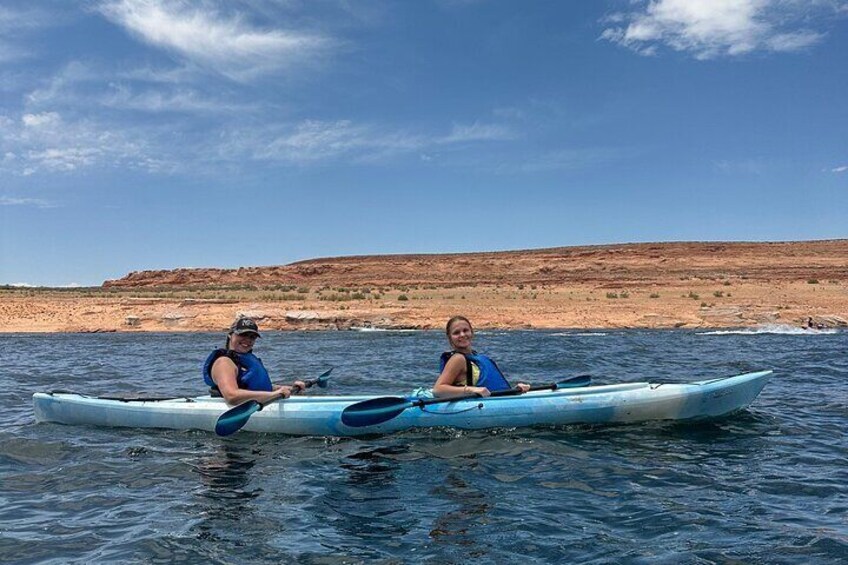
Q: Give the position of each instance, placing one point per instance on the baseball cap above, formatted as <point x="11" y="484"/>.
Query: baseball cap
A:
<point x="244" y="326"/>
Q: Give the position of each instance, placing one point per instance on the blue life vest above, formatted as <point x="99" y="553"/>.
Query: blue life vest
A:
<point x="491" y="376"/>
<point x="252" y="374"/>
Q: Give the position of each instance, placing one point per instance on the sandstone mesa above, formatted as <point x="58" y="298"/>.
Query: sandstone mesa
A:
<point x="644" y="285"/>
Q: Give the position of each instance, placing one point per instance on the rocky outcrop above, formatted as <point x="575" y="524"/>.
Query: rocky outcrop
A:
<point x="641" y="263"/>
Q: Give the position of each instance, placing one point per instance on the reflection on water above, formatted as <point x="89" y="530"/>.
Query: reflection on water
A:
<point x="225" y="473"/>
<point x="226" y="499"/>
<point x="458" y="526"/>
<point x="365" y="502"/>
<point x="373" y="466"/>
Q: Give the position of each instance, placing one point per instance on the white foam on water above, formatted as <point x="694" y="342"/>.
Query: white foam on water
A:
<point x="368" y="329"/>
<point x="782" y="329"/>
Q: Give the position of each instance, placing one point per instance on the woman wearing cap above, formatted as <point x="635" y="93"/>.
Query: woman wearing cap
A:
<point x="236" y="374"/>
<point x="464" y="371"/>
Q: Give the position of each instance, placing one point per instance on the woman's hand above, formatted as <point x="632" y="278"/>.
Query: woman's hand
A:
<point x="478" y="390"/>
<point x="523" y="387"/>
<point x="283" y="391"/>
<point x="298" y="387"/>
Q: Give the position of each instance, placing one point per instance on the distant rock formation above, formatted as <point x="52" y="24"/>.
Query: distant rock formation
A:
<point x="641" y="263"/>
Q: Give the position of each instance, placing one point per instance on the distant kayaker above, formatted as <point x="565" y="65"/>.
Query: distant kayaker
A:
<point x="464" y="371"/>
<point x="236" y="374"/>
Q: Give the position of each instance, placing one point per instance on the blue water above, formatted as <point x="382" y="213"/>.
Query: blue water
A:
<point x="768" y="485"/>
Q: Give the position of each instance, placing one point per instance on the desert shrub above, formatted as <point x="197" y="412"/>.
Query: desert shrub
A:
<point x="403" y="297"/>
<point x="654" y="295"/>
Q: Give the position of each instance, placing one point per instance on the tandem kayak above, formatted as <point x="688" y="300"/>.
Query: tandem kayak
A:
<point x="322" y="415"/>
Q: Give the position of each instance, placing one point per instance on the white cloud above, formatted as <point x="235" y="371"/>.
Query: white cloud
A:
<point x="226" y="44"/>
<point x="28" y="285"/>
<point x="87" y="89"/>
<point x="60" y="88"/>
<point x="46" y="142"/>
<point x="170" y="75"/>
<point x="311" y="141"/>
<point x="36" y="202"/>
<point x="841" y="169"/>
<point x="713" y="28"/>
<point x="45" y="119"/>
<point x="185" y="100"/>
<point x="63" y="158"/>
<point x="477" y="132"/>
<point x="317" y="140"/>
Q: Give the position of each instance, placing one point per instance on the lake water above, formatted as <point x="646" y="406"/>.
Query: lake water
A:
<point x="768" y="485"/>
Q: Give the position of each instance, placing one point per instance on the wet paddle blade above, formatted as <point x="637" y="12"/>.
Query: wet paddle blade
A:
<point x="574" y="382"/>
<point x="234" y="419"/>
<point x="323" y="379"/>
<point x="374" y="411"/>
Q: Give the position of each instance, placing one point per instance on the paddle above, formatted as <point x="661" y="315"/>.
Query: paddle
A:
<point x="234" y="419"/>
<point x="378" y="410"/>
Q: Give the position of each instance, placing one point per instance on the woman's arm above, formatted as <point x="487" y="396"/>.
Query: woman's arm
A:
<point x="225" y="372"/>
<point x="454" y="372"/>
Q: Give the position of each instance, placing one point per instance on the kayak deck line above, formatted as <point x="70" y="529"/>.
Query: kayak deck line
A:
<point x="123" y="398"/>
<point x="321" y="415"/>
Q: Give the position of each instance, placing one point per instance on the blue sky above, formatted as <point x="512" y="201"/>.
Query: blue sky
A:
<point x="158" y="134"/>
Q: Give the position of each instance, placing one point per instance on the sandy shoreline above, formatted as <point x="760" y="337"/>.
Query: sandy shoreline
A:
<point x="674" y="285"/>
<point x="688" y="306"/>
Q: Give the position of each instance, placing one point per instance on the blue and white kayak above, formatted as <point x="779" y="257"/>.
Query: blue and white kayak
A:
<point x="321" y="415"/>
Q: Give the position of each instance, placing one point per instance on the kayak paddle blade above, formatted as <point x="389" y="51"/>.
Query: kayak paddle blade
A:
<point x="324" y="378"/>
<point x="374" y="411"/>
<point x="234" y="419"/>
<point x="574" y="382"/>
